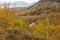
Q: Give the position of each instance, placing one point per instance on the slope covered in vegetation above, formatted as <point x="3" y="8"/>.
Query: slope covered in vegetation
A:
<point x="46" y="16"/>
<point x="38" y="22"/>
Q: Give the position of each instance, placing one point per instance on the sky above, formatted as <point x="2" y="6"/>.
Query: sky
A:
<point x="28" y="1"/>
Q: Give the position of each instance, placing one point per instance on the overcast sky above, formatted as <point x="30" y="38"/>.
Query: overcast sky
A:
<point x="28" y="1"/>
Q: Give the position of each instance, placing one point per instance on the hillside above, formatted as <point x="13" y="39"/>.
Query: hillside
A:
<point x="40" y="21"/>
<point x="49" y="11"/>
<point x="19" y="9"/>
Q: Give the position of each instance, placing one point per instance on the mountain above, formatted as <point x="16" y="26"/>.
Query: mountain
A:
<point x="44" y="11"/>
<point x="50" y="0"/>
<point x="20" y="3"/>
<point x="44" y="15"/>
<point x="50" y="9"/>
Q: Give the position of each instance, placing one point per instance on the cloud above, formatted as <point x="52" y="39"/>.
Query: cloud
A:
<point x="28" y="1"/>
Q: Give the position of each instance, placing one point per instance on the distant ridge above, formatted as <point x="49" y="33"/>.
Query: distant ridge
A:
<point x="17" y="4"/>
<point x="20" y="3"/>
<point x="50" y="0"/>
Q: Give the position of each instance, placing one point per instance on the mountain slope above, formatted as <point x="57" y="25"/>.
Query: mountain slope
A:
<point x="39" y="8"/>
<point x="44" y="17"/>
<point x="20" y="3"/>
<point x="50" y="0"/>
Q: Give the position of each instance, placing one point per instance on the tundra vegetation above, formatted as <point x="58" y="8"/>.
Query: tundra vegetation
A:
<point x="40" y="21"/>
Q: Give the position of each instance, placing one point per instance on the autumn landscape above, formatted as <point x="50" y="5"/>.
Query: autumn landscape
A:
<point x="41" y="21"/>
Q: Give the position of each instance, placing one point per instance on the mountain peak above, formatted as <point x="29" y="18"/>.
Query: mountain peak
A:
<point x="20" y="3"/>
